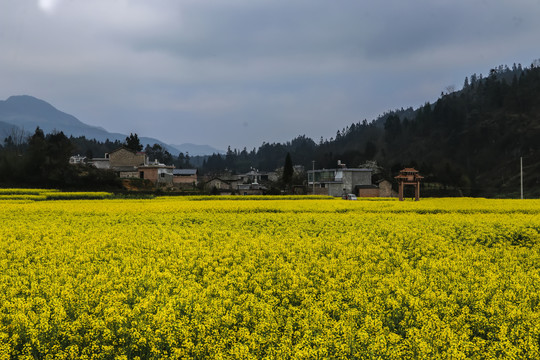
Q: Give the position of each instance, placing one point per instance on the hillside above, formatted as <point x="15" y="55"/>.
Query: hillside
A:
<point x="473" y="139"/>
<point x="27" y="112"/>
<point x="470" y="139"/>
<point x="468" y="142"/>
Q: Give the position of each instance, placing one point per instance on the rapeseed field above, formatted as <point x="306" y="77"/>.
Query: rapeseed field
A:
<point x="315" y="278"/>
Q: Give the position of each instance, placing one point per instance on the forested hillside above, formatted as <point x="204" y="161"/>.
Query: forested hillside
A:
<point x="469" y="140"/>
<point x="474" y="138"/>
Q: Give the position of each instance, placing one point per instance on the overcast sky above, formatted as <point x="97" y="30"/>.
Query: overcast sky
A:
<point x="240" y="72"/>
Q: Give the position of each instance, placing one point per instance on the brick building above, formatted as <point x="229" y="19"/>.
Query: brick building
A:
<point x="339" y="181"/>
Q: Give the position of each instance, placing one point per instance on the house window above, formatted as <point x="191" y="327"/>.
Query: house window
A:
<point x="162" y="175"/>
<point x="141" y="174"/>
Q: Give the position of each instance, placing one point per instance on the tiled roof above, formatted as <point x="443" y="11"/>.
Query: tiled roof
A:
<point x="185" y="172"/>
<point x="124" y="168"/>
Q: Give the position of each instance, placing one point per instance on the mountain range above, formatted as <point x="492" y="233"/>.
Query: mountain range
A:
<point x="24" y="113"/>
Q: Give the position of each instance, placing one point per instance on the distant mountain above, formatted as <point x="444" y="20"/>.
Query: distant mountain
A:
<point x="25" y="113"/>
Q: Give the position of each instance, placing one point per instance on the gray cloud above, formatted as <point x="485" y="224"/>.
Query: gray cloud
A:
<point x="241" y="72"/>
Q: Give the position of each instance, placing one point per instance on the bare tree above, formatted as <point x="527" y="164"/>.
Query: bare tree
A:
<point x="450" y="89"/>
<point x="15" y="139"/>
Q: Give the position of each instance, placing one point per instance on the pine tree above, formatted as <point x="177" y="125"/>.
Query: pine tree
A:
<point x="288" y="170"/>
<point x="132" y="142"/>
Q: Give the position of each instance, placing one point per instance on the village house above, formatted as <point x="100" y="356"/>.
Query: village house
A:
<point x="385" y="189"/>
<point x="223" y="186"/>
<point x="157" y="173"/>
<point x="256" y="176"/>
<point x="127" y="157"/>
<point x="123" y="161"/>
<point x="342" y="181"/>
<point x="339" y="181"/>
<point x="100" y="163"/>
<point x="251" y="189"/>
<point x="77" y="159"/>
<point x="185" y="177"/>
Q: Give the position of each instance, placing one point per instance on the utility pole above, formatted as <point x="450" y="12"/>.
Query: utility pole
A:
<point x="521" y="171"/>
<point x="313" y="175"/>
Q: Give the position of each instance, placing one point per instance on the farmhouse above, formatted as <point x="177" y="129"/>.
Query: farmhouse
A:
<point x="123" y="161"/>
<point x="221" y="185"/>
<point x="339" y="181"/>
<point x="185" y="177"/>
<point x="127" y="157"/>
<point x="385" y="189"/>
<point x="256" y="176"/>
<point x="100" y="163"/>
<point x="77" y="159"/>
<point x="251" y="189"/>
<point x="157" y="173"/>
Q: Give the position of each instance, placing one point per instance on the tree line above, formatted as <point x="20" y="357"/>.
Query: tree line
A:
<point x="42" y="160"/>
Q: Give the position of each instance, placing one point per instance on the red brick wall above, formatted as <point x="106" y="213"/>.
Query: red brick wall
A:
<point x="368" y="193"/>
<point x="151" y="174"/>
<point x="185" y="179"/>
